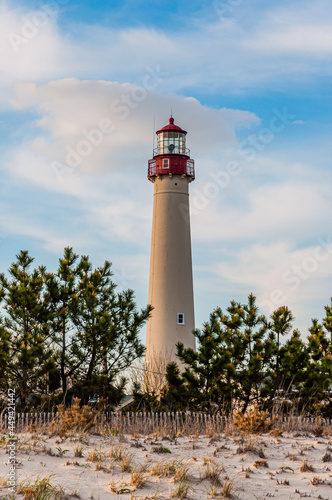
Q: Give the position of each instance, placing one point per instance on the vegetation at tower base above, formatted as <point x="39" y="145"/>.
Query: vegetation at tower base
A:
<point x="73" y="325"/>
<point x="241" y="362"/>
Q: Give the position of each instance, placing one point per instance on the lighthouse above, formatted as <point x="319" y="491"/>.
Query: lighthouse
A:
<point x="171" y="170"/>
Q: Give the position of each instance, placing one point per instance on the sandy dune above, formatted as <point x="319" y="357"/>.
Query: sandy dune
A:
<point x="276" y="474"/>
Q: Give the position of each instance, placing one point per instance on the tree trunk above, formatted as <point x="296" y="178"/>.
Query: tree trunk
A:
<point x="63" y="361"/>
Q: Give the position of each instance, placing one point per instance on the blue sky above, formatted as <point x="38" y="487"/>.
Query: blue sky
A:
<point x="250" y="81"/>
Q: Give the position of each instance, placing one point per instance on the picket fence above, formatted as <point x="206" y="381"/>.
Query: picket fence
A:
<point x="187" y="423"/>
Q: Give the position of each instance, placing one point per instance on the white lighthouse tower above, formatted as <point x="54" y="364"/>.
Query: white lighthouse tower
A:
<point x="171" y="281"/>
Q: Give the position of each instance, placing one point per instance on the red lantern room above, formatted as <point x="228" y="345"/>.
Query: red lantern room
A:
<point x="171" y="157"/>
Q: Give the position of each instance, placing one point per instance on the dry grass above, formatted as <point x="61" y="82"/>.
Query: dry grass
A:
<point x="99" y="466"/>
<point x="162" y="469"/>
<point x="246" y="471"/>
<point x="78" y="451"/>
<point x="212" y="472"/>
<point x="3" y="481"/>
<point x="75" y="463"/>
<point x="167" y="469"/>
<point x="181" y="471"/>
<point x="249" y="445"/>
<point x="155" y="496"/>
<point x="123" y="457"/>
<point x="305" y="467"/>
<point x="276" y="433"/>
<point x="95" y="456"/>
<point x="316" y="481"/>
<point x="180" y="491"/>
<point x="213" y="491"/>
<point x="74" y="418"/>
<point x="253" y="421"/>
<point x="318" y="431"/>
<point x="137" y="477"/>
<point x="261" y="463"/>
<point x="154" y="379"/>
<point x="117" y="452"/>
<point x="126" y="461"/>
<point x="284" y="482"/>
<point x="327" y="457"/>
<point x="40" y="489"/>
<point x="227" y="488"/>
<point x="292" y="456"/>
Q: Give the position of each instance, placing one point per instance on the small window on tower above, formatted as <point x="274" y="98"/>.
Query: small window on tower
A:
<point x="165" y="163"/>
<point x="180" y="319"/>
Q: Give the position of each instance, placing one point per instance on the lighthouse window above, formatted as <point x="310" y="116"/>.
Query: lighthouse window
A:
<point x="165" y="163"/>
<point x="171" y="142"/>
<point x="180" y="319"/>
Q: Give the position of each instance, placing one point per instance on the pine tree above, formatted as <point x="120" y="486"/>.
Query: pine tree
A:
<point x="319" y="374"/>
<point x="108" y="325"/>
<point x="258" y="346"/>
<point x="26" y="324"/>
<point x="60" y="291"/>
<point x="178" y="395"/>
<point x="327" y="321"/>
<point x="232" y="344"/>
<point x="293" y="367"/>
<point x="210" y="378"/>
<point x="238" y="360"/>
<point x="203" y="385"/>
<point x="280" y="324"/>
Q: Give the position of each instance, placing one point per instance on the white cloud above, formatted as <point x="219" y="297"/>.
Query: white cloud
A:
<point x="245" y="210"/>
<point x="305" y="39"/>
<point x="52" y="240"/>
<point x="281" y="274"/>
<point x="279" y="45"/>
<point x="300" y="28"/>
<point x="28" y="51"/>
<point x="102" y="126"/>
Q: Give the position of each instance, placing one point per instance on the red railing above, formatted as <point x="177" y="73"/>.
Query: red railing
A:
<point x="152" y="168"/>
<point x="191" y="168"/>
<point x="185" y="167"/>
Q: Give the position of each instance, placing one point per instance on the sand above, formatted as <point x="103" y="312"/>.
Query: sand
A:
<point x="233" y="459"/>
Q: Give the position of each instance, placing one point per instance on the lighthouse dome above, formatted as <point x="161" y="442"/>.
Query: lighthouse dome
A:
<point x="171" y="127"/>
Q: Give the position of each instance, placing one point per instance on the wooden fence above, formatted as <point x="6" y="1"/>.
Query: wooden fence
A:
<point x="165" y="423"/>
